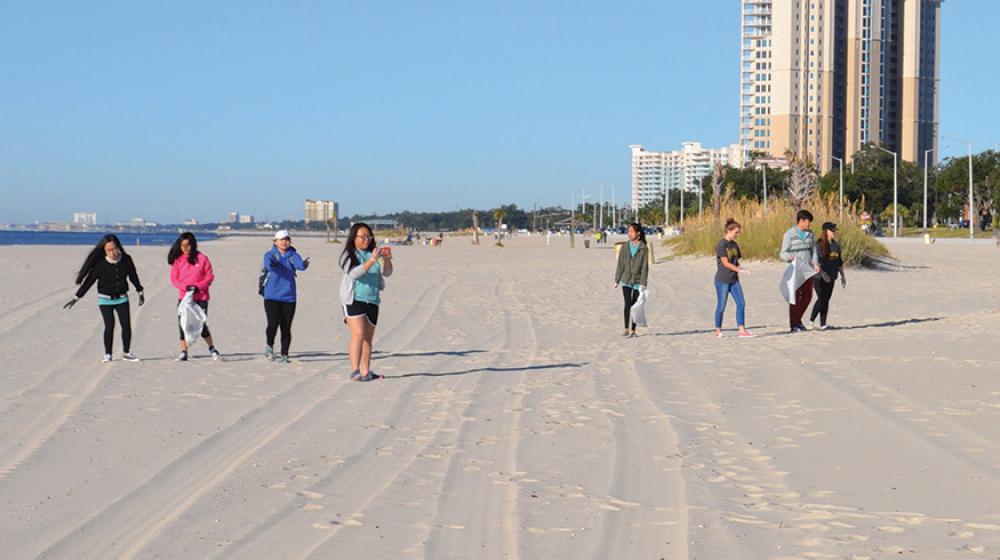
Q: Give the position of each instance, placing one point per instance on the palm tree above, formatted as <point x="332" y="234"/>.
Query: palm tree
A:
<point x="498" y="218"/>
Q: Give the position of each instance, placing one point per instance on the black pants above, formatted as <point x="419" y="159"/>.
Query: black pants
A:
<point x="279" y="314"/>
<point x="631" y="296"/>
<point x="824" y="291"/>
<point x="204" y="329"/>
<point x="108" y="313"/>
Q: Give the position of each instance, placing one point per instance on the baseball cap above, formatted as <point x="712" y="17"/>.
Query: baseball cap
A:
<point x="829" y="226"/>
<point x="282" y="234"/>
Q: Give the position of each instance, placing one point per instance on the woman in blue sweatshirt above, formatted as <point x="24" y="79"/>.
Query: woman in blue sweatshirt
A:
<point x="280" y="265"/>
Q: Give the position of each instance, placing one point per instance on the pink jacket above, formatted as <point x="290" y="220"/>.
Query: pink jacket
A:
<point x="199" y="274"/>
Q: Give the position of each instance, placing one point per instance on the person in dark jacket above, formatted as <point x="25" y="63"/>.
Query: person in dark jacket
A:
<point x="632" y="271"/>
<point x="280" y="266"/>
<point x="112" y="269"/>
<point x="831" y="265"/>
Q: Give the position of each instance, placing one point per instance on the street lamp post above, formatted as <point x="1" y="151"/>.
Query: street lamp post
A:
<point x="926" y="153"/>
<point x="841" y="163"/>
<point x="763" y="169"/>
<point x="895" y="190"/>
<point x="972" y="228"/>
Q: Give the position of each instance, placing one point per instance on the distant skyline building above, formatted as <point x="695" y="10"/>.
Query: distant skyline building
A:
<point x="234" y="218"/>
<point x="85" y="218"/>
<point x="190" y="222"/>
<point x="320" y="210"/>
<point x="821" y="78"/>
<point x="246" y="219"/>
<point x="654" y="172"/>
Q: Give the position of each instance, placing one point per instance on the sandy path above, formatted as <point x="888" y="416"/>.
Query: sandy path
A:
<point x="514" y="422"/>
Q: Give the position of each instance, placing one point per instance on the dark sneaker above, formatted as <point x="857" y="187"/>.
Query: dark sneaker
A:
<point x="183" y="357"/>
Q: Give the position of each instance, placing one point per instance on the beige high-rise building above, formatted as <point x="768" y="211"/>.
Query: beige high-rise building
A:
<point x="821" y="78"/>
<point x="320" y="210"/>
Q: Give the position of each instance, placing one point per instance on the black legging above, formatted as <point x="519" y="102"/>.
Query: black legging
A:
<point x="108" y="313"/>
<point x="824" y="291"/>
<point x="279" y="313"/>
<point x="631" y="296"/>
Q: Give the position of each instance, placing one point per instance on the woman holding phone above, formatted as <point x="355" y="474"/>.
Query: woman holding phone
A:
<point x="365" y="268"/>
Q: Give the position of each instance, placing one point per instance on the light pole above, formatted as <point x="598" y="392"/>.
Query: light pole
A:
<point x="763" y="169"/>
<point x="682" y="205"/>
<point x="926" y="153"/>
<point x="666" y="203"/>
<point x="895" y="190"/>
<point x="841" y="163"/>
<point x="972" y="228"/>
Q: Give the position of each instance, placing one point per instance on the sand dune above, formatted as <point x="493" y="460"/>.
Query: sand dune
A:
<point x="513" y="420"/>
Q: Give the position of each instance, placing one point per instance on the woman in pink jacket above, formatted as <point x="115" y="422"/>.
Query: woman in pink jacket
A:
<point x="191" y="271"/>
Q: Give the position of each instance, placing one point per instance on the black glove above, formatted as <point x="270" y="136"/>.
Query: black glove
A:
<point x="305" y="264"/>
<point x="142" y="299"/>
<point x="192" y="289"/>
<point x="70" y="303"/>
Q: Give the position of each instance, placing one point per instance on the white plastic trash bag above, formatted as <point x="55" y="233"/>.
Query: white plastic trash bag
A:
<point x="638" y="311"/>
<point x="192" y="318"/>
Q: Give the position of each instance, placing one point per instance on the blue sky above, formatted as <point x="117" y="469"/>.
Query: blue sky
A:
<point x="171" y="110"/>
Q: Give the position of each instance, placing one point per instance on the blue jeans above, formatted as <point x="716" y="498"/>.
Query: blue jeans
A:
<point x="722" y="291"/>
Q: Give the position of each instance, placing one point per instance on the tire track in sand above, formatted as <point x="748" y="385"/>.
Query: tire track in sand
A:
<point x="42" y="409"/>
<point x="490" y="499"/>
<point x="647" y="513"/>
<point x="294" y="530"/>
<point x="123" y="528"/>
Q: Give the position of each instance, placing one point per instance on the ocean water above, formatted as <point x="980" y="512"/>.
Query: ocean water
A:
<point x="128" y="239"/>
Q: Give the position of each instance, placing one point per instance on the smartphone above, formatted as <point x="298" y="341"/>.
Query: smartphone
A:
<point x="385" y="251"/>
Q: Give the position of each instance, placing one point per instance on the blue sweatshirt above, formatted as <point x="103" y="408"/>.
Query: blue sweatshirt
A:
<point x="280" y="284"/>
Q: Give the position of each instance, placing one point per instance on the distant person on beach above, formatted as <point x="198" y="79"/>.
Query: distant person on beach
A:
<point x="112" y="269"/>
<point x="798" y="248"/>
<point x="280" y="266"/>
<point x="727" y="279"/>
<point x="831" y="265"/>
<point x="632" y="271"/>
<point x="365" y="268"/>
<point x="191" y="271"/>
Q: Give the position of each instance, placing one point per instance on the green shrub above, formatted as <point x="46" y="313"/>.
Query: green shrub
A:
<point x="761" y="235"/>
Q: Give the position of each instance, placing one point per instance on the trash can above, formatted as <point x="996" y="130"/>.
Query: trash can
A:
<point x="586" y="244"/>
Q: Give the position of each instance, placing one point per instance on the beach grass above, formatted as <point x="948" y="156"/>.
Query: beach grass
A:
<point x="761" y="234"/>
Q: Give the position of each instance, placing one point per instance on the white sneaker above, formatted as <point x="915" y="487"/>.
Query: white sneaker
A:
<point x="107" y="358"/>
<point x="130" y="357"/>
<point x="824" y="327"/>
<point x="810" y="326"/>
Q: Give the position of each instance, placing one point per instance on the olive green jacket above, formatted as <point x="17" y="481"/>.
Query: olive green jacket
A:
<point x="632" y="270"/>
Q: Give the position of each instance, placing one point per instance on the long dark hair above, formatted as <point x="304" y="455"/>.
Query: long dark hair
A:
<point x="96" y="254"/>
<point x="638" y="228"/>
<point x="823" y="244"/>
<point x="350" y="256"/>
<point x="175" y="249"/>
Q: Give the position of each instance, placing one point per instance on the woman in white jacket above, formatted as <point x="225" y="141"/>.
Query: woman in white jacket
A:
<point x="364" y="269"/>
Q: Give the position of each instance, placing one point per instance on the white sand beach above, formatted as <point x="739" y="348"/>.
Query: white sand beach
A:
<point x="514" y="421"/>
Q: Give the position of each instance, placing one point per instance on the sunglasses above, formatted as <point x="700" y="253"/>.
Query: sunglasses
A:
<point x="365" y="237"/>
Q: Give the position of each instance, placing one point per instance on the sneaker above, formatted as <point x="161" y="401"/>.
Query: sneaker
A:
<point x="824" y="327"/>
<point x="283" y="359"/>
<point x="183" y="357"/>
<point x="215" y="353"/>
<point x="798" y="328"/>
<point x="130" y="357"/>
<point x="355" y="375"/>
<point x="746" y="334"/>
<point x="269" y="352"/>
<point x="106" y="358"/>
<point x="372" y="376"/>
<point x="810" y="326"/>
<point x="718" y="334"/>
